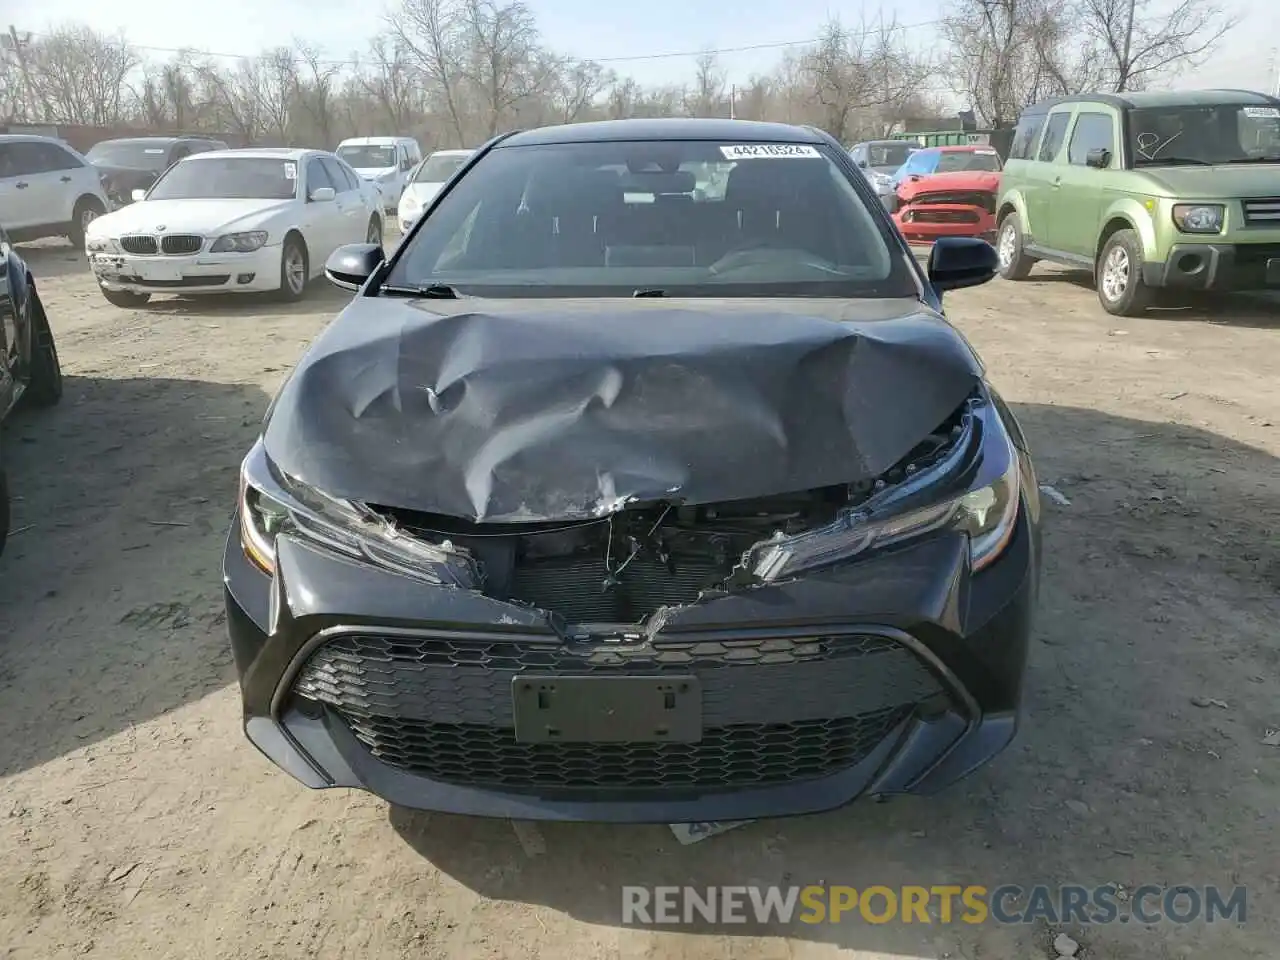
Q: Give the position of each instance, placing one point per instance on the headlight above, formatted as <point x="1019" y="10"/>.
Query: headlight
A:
<point x="1198" y="217"/>
<point x="239" y="242"/>
<point x="99" y="244"/>
<point x="988" y="513"/>
<point x="271" y="504"/>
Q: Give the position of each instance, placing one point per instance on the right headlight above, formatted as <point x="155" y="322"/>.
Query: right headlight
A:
<point x="987" y="511"/>
<point x="245" y="242"/>
<point x="272" y="504"/>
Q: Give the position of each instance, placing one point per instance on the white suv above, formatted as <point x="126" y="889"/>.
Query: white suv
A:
<point x="47" y="189"/>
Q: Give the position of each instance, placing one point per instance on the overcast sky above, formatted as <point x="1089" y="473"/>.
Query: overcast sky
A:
<point x="589" y="29"/>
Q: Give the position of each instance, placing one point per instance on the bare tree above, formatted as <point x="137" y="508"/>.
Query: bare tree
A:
<point x="277" y="87"/>
<point x="501" y="55"/>
<point x="78" y="75"/>
<point x="707" y="97"/>
<point x="577" y="85"/>
<point x="1138" y="44"/>
<point x="393" y="81"/>
<point x="429" y="31"/>
<point x="316" y="94"/>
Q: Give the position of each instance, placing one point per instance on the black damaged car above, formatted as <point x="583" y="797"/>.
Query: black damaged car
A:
<point x="643" y="481"/>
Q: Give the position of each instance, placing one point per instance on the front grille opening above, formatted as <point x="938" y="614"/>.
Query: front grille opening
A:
<point x="738" y="756"/>
<point x="621" y="569"/>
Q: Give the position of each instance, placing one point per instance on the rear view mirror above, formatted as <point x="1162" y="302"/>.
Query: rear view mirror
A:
<point x="1098" y="158"/>
<point x="350" y="266"/>
<point x="322" y="194"/>
<point x="957" y="262"/>
<point x="138" y="195"/>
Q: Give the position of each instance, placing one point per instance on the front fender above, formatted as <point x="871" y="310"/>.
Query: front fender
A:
<point x="1136" y="213"/>
<point x="1015" y="200"/>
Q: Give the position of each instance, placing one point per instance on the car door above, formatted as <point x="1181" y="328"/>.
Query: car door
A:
<point x="326" y="223"/>
<point x="1078" y="191"/>
<point x="1043" y="176"/>
<point x="19" y="201"/>
<point x="355" y="218"/>
<point x="53" y="183"/>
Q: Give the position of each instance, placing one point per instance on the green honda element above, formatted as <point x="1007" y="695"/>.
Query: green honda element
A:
<point x="1148" y="190"/>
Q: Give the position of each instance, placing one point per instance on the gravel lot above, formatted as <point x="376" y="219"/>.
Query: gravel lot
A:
<point x="137" y="821"/>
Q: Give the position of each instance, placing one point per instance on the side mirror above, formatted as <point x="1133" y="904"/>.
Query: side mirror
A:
<point x="138" y="195"/>
<point x="958" y="262"/>
<point x="322" y="194"/>
<point x="350" y="266"/>
<point x="1099" y="158"/>
<point x="862" y="164"/>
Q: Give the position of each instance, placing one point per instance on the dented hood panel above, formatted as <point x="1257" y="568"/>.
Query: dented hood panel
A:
<point x="509" y="411"/>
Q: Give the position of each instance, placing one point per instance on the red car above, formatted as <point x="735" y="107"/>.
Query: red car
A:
<point x="954" y="195"/>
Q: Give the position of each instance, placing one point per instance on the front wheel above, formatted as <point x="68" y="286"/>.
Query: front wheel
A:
<point x="1121" y="289"/>
<point x="88" y="209"/>
<point x="293" y="270"/>
<point x="125" y="298"/>
<point x="1014" y="264"/>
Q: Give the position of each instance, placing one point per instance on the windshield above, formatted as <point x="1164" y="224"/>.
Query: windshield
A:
<point x="889" y="154"/>
<point x="1232" y="133"/>
<point x="228" y="178"/>
<point x="438" y="169"/>
<point x="139" y="154"/>
<point x="676" y="218"/>
<point x="953" y="161"/>
<point x="368" y="156"/>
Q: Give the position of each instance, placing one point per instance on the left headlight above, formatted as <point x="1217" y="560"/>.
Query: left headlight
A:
<point x="987" y="511"/>
<point x="1198" y="217"/>
<point x="99" y="244"/>
<point x="272" y="504"/>
<point x="246" y="242"/>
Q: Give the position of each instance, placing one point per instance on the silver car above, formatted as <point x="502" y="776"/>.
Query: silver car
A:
<point x="879" y="160"/>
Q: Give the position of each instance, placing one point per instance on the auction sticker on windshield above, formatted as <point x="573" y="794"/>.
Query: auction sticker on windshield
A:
<point x="769" y="151"/>
<point x="291" y="171"/>
<point x="1262" y="113"/>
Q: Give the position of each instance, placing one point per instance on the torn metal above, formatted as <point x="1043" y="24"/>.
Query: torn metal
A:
<point x="536" y="411"/>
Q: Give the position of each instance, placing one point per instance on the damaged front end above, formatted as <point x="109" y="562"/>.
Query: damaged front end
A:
<point x="627" y="573"/>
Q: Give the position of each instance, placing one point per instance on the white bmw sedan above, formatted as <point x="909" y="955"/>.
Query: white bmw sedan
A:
<point x="233" y="220"/>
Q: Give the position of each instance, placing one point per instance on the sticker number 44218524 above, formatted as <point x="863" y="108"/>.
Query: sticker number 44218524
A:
<point x="769" y="151"/>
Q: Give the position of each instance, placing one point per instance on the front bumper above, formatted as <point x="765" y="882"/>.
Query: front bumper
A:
<point x="1217" y="266"/>
<point x="195" y="273"/>
<point x="898" y="673"/>
<point x="944" y="220"/>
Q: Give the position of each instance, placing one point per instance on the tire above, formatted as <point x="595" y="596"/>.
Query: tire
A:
<point x="1014" y="264"/>
<point x="294" y="270"/>
<point x="1118" y="276"/>
<point x="44" y="387"/>
<point x="125" y="298"/>
<point x="374" y="233"/>
<point x="4" y="509"/>
<point x="87" y="210"/>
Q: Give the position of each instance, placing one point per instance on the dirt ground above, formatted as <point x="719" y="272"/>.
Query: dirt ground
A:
<point x="136" y="821"/>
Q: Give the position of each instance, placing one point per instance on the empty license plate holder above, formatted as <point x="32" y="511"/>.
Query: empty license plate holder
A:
<point x="607" y="709"/>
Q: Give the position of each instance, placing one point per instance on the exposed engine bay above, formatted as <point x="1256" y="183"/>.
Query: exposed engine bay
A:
<point x="622" y="568"/>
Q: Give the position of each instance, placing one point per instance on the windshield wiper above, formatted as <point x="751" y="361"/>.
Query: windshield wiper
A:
<point x="1172" y="162"/>
<point x="433" y="291"/>
<point x="650" y="293"/>
<point x="1268" y="159"/>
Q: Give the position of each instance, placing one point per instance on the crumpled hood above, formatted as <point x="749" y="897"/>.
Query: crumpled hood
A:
<point x="1225" y="181"/>
<point x="985" y="181"/>
<point x="564" y="409"/>
<point x="205" y="217"/>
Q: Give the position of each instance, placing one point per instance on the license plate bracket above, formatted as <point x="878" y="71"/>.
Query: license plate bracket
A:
<point x="160" y="271"/>
<point x="607" y="709"/>
<point x="1273" y="272"/>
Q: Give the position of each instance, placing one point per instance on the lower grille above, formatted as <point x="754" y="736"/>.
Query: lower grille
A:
<point x="204" y="280"/>
<point x="140" y="244"/>
<point x="774" y="709"/>
<point x="944" y="216"/>
<point x="744" y="755"/>
<point x="974" y="198"/>
<point x="178" y="244"/>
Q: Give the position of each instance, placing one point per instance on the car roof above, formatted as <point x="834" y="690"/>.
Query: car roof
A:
<point x="887" y="142"/>
<point x="264" y="153"/>
<point x="1162" y="98"/>
<point x="374" y="141"/>
<point x="156" y="139"/>
<point x="14" y="137"/>
<point x="665" y="128"/>
<point x="450" y="153"/>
